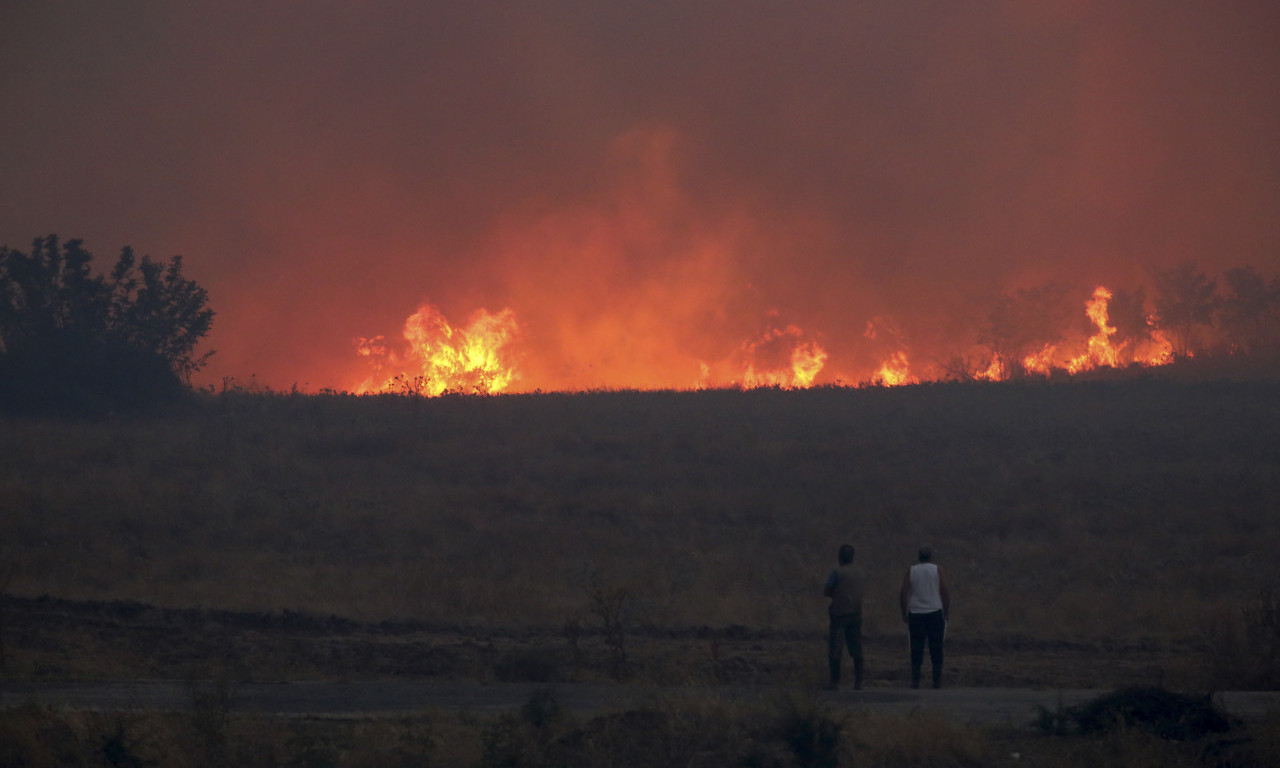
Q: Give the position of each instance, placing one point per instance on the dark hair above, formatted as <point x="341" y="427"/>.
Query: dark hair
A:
<point x="926" y="553"/>
<point x="846" y="554"/>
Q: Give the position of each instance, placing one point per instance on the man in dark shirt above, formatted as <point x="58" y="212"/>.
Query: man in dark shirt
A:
<point x="844" y="587"/>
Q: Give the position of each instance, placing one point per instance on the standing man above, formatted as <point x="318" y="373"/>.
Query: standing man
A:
<point x="844" y="587"/>
<point x="926" y="607"/>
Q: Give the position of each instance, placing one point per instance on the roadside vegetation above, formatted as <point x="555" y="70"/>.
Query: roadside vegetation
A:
<point x="1131" y="728"/>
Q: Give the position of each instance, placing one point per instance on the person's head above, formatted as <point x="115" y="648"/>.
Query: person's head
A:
<point x="926" y="553"/>
<point x="845" y="555"/>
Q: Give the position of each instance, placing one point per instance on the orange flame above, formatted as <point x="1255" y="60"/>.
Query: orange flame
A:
<point x="1100" y="352"/>
<point x="440" y="358"/>
<point x="894" y="372"/>
<point x="781" y="358"/>
<point x="1161" y="348"/>
<point x="993" y="372"/>
<point x="1040" y="362"/>
<point x="895" y="369"/>
<point x="480" y="358"/>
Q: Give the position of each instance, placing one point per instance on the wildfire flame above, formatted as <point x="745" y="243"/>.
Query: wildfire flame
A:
<point x="894" y="372"/>
<point x="439" y="358"/>
<point x="993" y="372"/>
<point x="676" y="317"/>
<point x="895" y="369"/>
<point x="1100" y="352"/>
<point x="480" y="358"/>
<point x="1100" y="349"/>
<point x="782" y="358"/>
<point x="1040" y="362"/>
<point x="1161" y="349"/>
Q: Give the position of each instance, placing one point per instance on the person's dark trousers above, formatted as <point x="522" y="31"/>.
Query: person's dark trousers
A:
<point x="926" y="628"/>
<point x="846" y="632"/>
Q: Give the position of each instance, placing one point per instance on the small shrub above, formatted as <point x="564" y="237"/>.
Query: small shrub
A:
<point x="811" y="733"/>
<point x="1166" y="714"/>
<point x="506" y="744"/>
<point x="542" y="710"/>
<point x="525" y="740"/>
<point x="572" y="631"/>
<point x="1052" y="722"/>
<point x="609" y="603"/>
<point x="119" y="747"/>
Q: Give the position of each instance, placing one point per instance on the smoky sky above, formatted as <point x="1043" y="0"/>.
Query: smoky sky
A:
<point x="645" y="183"/>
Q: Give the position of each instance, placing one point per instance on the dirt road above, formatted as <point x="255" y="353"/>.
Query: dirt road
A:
<point x="984" y="706"/>
<point x="389" y="668"/>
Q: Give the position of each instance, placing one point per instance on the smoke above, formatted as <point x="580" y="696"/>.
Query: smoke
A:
<point x="651" y="187"/>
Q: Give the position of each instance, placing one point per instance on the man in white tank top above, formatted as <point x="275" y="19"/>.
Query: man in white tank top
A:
<point x="926" y="608"/>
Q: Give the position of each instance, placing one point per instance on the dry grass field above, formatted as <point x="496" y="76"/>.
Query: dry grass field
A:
<point x="1095" y="534"/>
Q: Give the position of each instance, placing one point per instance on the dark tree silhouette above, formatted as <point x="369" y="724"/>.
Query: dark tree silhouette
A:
<point x="74" y="340"/>
<point x="1127" y="313"/>
<point x="1249" y="314"/>
<point x="1022" y="324"/>
<point x="1185" y="303"/>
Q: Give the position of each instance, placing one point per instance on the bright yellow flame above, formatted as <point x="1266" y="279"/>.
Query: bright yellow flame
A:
<point x="807" y="361"/>
<point x="802" y="363"/>
<point x="894" y="372"/>
<point x="1161" y="348"/>
<point x="1040" y="362"/>
<point x="1099" y="352"/>
<point x="440" y="358"/>
<point x="479" y="357"/>
<point x="994" y="372"/>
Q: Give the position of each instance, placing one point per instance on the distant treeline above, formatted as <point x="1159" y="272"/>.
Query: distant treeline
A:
<point x="76" y="341"/>
<point x="1236" y="313"/>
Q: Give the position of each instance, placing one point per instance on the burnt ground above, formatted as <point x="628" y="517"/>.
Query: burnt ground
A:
<point x="51" y="639"/>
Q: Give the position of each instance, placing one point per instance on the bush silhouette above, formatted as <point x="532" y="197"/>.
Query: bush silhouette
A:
<point x="1167" y="714"/>
<point x="72" y="340"/>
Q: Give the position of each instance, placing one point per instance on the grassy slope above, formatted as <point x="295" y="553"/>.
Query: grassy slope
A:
<point x="1125" y="511"/>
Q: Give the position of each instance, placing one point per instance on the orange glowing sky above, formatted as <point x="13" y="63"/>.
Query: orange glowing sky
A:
<point x="658" y="191"/>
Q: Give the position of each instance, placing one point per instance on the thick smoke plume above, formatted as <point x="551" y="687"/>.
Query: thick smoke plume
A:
<point x="661" y="193"/>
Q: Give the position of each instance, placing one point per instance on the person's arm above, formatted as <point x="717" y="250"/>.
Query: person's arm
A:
<point x="904" y="594"/>
<point x="946" y="596"/>
<point x="830" y="587"/>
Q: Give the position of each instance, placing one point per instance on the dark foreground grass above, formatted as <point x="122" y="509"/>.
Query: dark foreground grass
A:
<point x="789" y="731"/>
<point x="1119" y="514"/>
